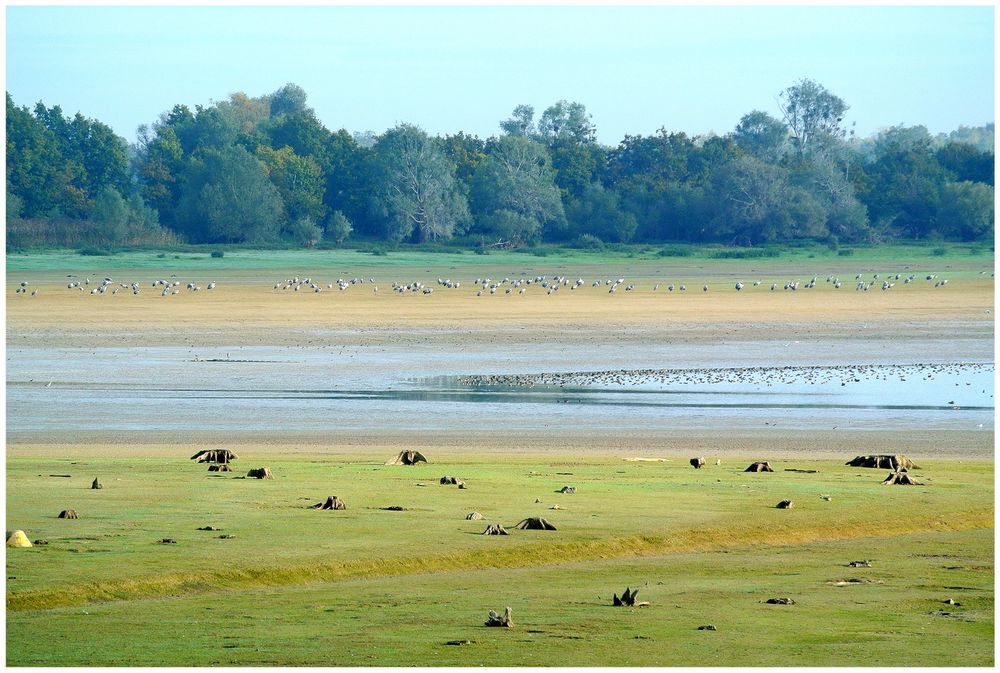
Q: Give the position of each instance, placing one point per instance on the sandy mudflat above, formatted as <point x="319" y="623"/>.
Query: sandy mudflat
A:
<point x="254" y="313"/>
<point x="582" y="330"/>
<point x="378" y="445"/>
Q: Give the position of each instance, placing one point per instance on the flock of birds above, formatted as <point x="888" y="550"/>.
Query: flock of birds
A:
<point x="489" y="286"/>
<point x="553" y="284"/>
<point x="167" y="287"/>
<point x="295" y="284"/>
<point x="765" y="376"/>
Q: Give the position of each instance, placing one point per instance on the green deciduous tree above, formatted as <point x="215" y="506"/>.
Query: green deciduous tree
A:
<point x="35" y="171"/>
<point x="516" y="176"/>
<point x="813" y="115"/>
<point x="966" y="211"/>
<point x="576" y="165"/>
<point x="506" y="225"/>
<point x="301" y="131"/>
<point x="160" y="166"/>
<point x="229" y="199"/>
<point x="338" y="227"/>
<point x="110" y="215"/>
<point x="966" y="162"/>
<point x="903" y="189"/>
<point x="596" y="211"/>
<point x="417" y="193"/>
<point x="289" y="99"/>
<point x="303" y="231"/>
<point x="758" y="204"/>
<point x="299" y="181"/>
<point x="349" y="172"/>
<point x="566" y="121"/>
<point x="65" y="161"/>
<point x="827" y="181"/>
<point x="761" y="135"/>
<point x="521" y="122"/>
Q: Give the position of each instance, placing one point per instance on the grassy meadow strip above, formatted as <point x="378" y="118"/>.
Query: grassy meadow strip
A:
<point x="934" y="256"/>
<point x="619" y="510"/>
<point x="892" y="613"/>
<point x="524" y="556"/>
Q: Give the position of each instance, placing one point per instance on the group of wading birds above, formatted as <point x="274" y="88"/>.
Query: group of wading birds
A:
<point x="220" y="461"/>
<point x="553" y="284"/>
<point x="765" y="376"/>
<point x="507" y="286"/>
<point x="167" y="287"/>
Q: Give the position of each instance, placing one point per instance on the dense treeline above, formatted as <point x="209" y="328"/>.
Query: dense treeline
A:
<point x="265" y="170"/>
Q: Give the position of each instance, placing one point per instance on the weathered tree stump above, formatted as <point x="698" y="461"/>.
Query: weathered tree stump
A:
<point x="332" y="502"/>
<point x="408" y="458"/>
<point x="534" y="523"/>
<point x="884" y="461"/>
<point x="497" y="620"/>
<point x="900" y="478"/>
<point x="220" y="456"/>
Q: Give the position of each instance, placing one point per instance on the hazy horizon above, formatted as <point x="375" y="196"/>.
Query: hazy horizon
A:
<point x="449" y="69"/>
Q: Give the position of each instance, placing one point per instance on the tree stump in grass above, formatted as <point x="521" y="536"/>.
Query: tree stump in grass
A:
<point x="332" y="502"/>
<point x="900" y="478"/>
<point x="504" y="620"/>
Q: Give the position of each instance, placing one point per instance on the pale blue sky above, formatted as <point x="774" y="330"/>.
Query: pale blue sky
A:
<point x="448" y="68"/>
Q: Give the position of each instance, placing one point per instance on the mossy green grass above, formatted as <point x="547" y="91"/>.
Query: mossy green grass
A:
<point x="369" y="586"/>
<point x="641" y="260"/>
